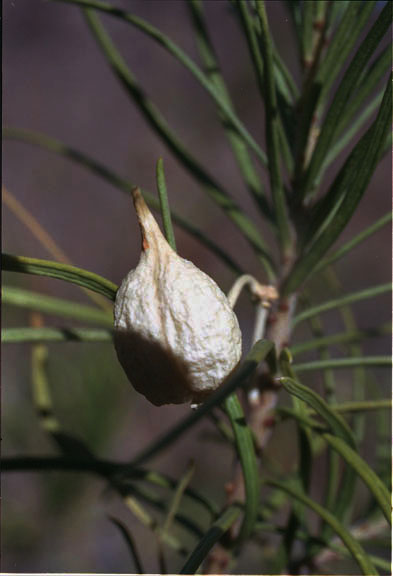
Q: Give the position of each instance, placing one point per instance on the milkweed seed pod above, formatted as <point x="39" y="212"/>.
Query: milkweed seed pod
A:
<point x="176" y="336"/>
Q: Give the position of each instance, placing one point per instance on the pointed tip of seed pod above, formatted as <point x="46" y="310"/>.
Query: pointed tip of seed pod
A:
<point x="139" y="202"/>
<point x="147" y="223"/>
<point x="143" y="214"/>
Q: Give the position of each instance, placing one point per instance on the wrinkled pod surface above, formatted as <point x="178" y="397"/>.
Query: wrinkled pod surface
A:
<point x="176" y="336"/>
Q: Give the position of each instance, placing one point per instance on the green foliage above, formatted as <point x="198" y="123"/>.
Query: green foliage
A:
<point x="309" y="126"/>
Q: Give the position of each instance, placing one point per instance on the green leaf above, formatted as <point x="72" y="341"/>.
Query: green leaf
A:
<point x="375" y="485"/>
<point x="358" y="171"/>
<point x="304" y="440"/>
<point x="332" y="487"/>
<point x="354" y="128"/>
<point x="165" y="481"/>
<point x="307" y="32"/>
<point x="355" y="18"/>
<point x="146" y="519"/>
<point x="164" y="204"/>
<point x="272" y="130"/>
<point x="339" y="427"/>
<point x="41" y="394"/>
<point x="359" y="379"/>
<point x="115" y="180"/>
<point x="363" y="406"/>
<point x="337" y="11"/>
<point x="372" y="361"/>
<point x="159" y="503"/>
<point x="212" y="69"/>
<point x="35" y="266"/>
<point x="302" y="418"/>
<point x="367" y="82"/>
<point x="286" y="86"/>
<point x="177" y="497"/>
<point x="254" y="37"/>
<point x="212" y="536"/>
<point x="343" y="301"/>
<point x="328" y="206"/>
<point x="349" y="337"/>
<point x="29" y="334"/>
<point x="159" y="125"/>
<point x="336" y="423"/>
<point x="246" y="451"/>
<point x="296" y="517"/>
<point x="353" y="460"/>
<point x="355" y="241"/>
<point x="353" y="546"/>
<point x="343" y="93"/>
<point x="329" y="382"/>
<point x="13" y="296"/>
<point x="257" y="354"/>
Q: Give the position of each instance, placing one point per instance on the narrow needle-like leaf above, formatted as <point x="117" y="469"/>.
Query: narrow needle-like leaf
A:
<point x="355" y="18"/>
<point x="296" y="517"/>
<point x="343" y="301"/>
<point x="307" y="33"/>
<point x="367" y="83"/>
<point x="212" y="536"/>
<point x="372" y="361"/>
<point x="361" y="467"/>
<point x="272" y="139"/>
<point x="350" y="337"/>
<point x="211" y="65"/>
<point x="348" y="407"/>
<point x="164" y="204"/>
<point x="35" y="266"/>
<point x="46" y="334"/>
<point x="336" y="423"/>
<point x="354" y="461"/>
<point x="177" y="497"/>
<point x="353" y="546"/>
<point x="13" y="296"/>
<point x="246" y="451"/>
<point x="358" y="239"/>
<point x="351" y="131"/>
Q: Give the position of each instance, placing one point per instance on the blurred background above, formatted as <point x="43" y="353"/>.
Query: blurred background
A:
<point x="55" y="81"/>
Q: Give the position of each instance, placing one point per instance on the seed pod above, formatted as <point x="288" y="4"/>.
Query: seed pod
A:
<point x="176" y="335"/>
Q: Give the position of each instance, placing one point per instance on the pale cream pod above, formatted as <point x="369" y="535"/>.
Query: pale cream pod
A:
<point x="176" y="336"/>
